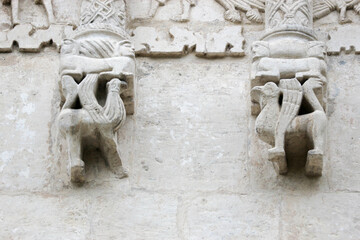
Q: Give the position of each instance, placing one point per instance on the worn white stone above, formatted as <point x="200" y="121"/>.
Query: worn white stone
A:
<point x="152" y="43"/>
<point x="197" y="169"/>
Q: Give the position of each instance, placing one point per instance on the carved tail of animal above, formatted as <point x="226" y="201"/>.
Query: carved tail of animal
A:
<point x="114" y="108"/>
<point x="87" y="89"/>
<point x="292" y="98"/>
<point x="323" y="8"/>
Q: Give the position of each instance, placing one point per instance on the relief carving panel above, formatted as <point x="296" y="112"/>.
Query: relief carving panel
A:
<point x="289" y="84"/>
<point x="97" y="70"/>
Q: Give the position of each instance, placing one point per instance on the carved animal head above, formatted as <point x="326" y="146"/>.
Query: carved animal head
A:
<point x="260" y="49"/>
<point x="124" y="48"/>
<point x="316" y="49"/>
<point x="70" y="46"/>
<point x="116" y="85"/>
<point x="264" y="94"/>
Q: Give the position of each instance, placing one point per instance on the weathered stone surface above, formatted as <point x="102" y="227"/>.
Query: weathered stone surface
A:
<point x="344" y="117"/>
<point x="181" y="41"/>
<point x="26" y="102"/>
<point x="320" y="216"/>
<point x="190" y="143"/>
<point x="231" y="217"/>
<point x="345" y="38"/>
<point x="196" y="167"/>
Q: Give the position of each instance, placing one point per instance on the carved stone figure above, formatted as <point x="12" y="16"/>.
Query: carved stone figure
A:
<point x="186" y="5"/>
<point x="279" y="120"/>
<point x="325" y="7"/>
<point x="155" y="4"/>
<point x="96" y="68"/>
<point x="15" y="10"/>
<point x="289" y="75"/>
<point x="250" y="7"/>
<point x="288" y="12"/>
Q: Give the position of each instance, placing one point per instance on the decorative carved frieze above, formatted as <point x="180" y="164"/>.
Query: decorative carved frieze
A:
<point x="15" y="10"/>
<point x="181" y="41"/>
<point x="289" y="83"/>
<point x="252" y="9"/>
<point x="325" y="7"/>
<point x="97" y="72"/>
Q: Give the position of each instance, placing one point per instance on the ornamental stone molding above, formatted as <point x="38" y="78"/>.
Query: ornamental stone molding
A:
<point x="288" y="81"/>
<point x="97" y="71"/>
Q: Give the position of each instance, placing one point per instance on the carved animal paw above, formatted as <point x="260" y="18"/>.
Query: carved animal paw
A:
<point x="345" y="20"/>
<point x="268" y="76"/>
<point x="314" y="163"/>
<point x="278" y="158"/>
<point x="78" y="173"/>
<point x="180" y="18"/>
<point x="232" y="16"/>
<point x="254" y="16"/>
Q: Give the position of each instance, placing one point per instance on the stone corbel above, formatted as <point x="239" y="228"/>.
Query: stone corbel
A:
<point x="288" y="80"/>
<point x="97" y="68"/>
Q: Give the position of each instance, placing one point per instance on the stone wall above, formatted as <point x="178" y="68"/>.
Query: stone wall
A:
<point x="196" y="169"/>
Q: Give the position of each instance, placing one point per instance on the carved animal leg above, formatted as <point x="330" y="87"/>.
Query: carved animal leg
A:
<point x="278" y="158"/>
<point x="70" y="91"/>
<point x="231" y="14"/>
<point x="271" y="76"/>
<point x="343" y="17"/>
<point x="185" y="13"/>
<point x="15" y="12"/>
<point x="317" y="129"/>
<point x="49" y="10"/>
<point x="77" y="166"/>
<point x="110" y="151"/>
<point x="155" y="4"/>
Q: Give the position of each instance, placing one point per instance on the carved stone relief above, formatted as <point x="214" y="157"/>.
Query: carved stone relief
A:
<point x="15" y="10"/>
<point x="180" y="42"/>
<point x="97" y="72"/>
<point x="252" y="9"/>
<point x="289" y="84"/>
<point x="325" y="7"/>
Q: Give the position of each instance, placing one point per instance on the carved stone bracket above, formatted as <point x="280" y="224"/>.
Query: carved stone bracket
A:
<point x="288" y="84"/>
<point x="180" y="41"/>
<point x="97" y="70"/>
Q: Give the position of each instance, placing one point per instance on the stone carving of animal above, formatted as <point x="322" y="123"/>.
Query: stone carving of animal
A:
<point x="76" y="64"/>
<point x="94" y="120"/>
<point x="277" y="122"/>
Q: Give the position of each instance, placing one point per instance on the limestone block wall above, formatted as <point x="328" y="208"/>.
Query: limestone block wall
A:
<point x="196" y="169"/>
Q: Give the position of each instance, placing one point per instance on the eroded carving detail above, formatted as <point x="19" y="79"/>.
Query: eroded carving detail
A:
<point x="252" y="9"/>
<point x="289" y="83"/>
<point x="325" y="7"/>
<point x="227" y="42"/>
<point x="97" y="71"/>
<point x="15" y="10"/>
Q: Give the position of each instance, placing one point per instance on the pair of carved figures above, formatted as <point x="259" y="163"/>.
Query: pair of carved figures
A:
<point x="94" y="73"/>
<point x="97" y="68"/>
<point x="289" y="83"/>
<point x="15" y="10"/>
<point x="250" y="7"/>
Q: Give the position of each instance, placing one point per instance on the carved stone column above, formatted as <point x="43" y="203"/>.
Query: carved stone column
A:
<point x="289" y="82"/>
<point x="97" y="72"/>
